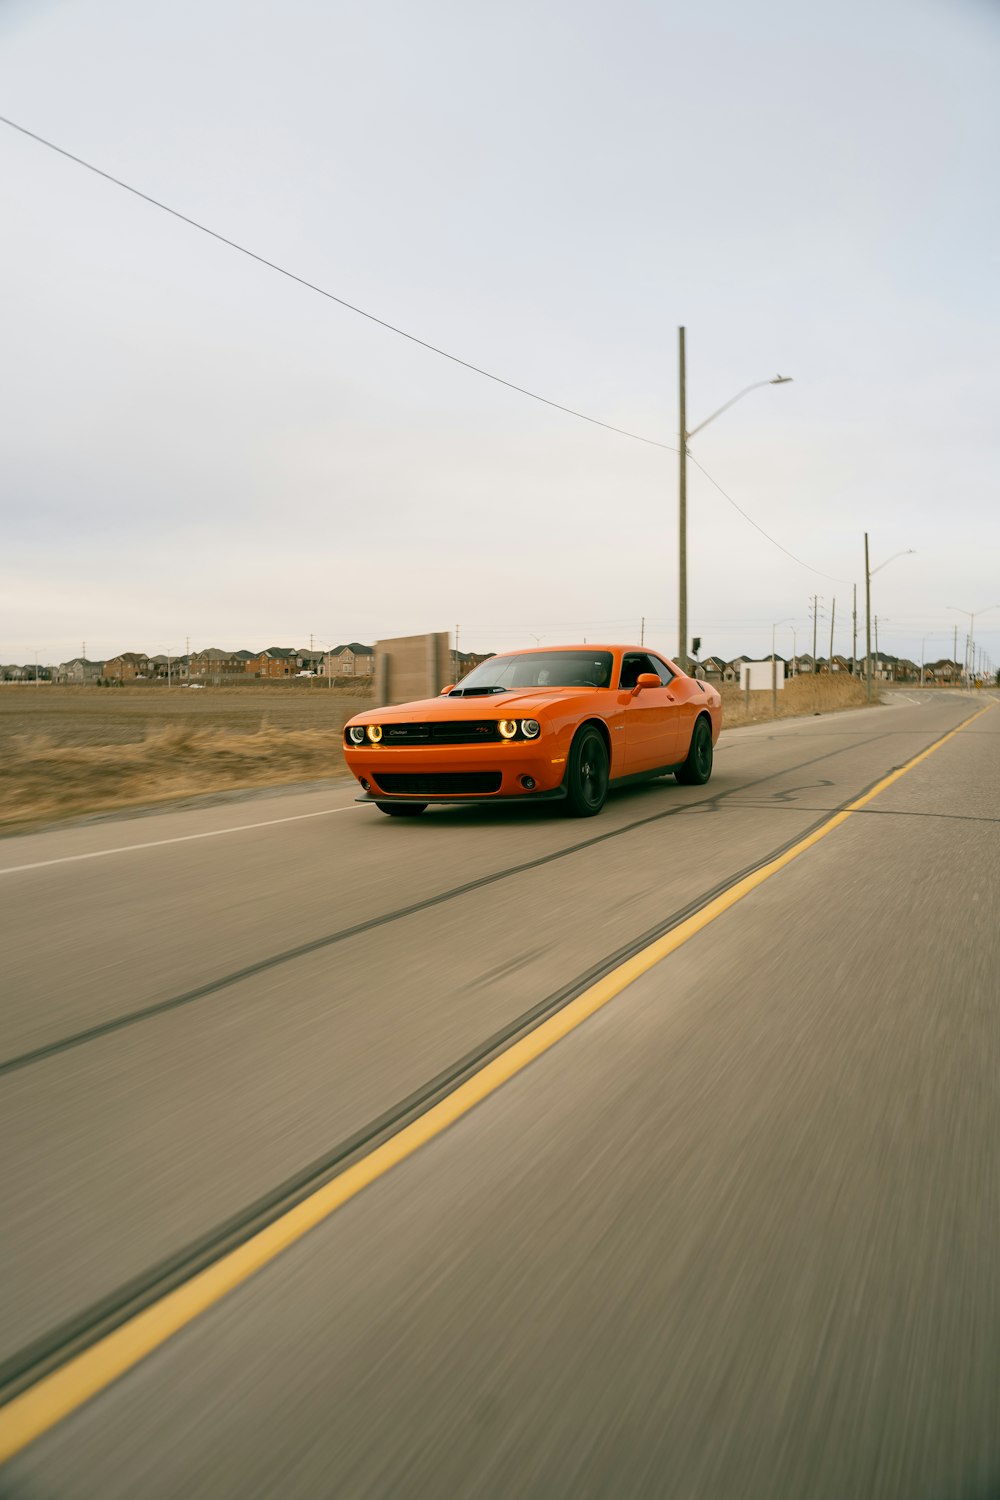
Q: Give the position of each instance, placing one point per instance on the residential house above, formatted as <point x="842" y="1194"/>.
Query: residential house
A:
<point x="351" y="660"/>
<point x="79" y="669"/>
<point x="212" y="662"/>
<point x="941" y="671"/>
<point x="169" y="666"/>
<point x="29" y="672"/>
<point x="127" y="667"/>
<point x="276" y="661"/>
<point x="714" y="668"/>
<point x="309" y="661"/>
<point x="731" y="670"/>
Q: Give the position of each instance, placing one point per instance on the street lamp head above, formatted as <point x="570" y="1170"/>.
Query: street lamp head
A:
<point x="782" y="380"/>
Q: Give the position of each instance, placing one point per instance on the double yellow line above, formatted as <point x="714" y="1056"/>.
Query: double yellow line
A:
<point x="66" y="1389"/>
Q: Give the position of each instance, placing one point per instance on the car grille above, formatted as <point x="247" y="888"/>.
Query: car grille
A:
<point x="445" y="784"/>
<point x="459" y="732"/>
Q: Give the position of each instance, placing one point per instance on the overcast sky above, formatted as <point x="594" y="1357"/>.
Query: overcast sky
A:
<point x="195" y="447"/>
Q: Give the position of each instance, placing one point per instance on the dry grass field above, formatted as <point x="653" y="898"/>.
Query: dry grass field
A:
<point x="800" y="695"/>
<point x="71" y="750"/>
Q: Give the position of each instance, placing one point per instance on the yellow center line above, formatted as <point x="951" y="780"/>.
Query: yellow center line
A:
<point x="66" y="1389"/>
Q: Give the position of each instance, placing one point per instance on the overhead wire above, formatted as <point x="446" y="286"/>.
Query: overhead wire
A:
<point x="773" y="540"/>
<point x="394" y="328"/>
<point x="330" y="296"/>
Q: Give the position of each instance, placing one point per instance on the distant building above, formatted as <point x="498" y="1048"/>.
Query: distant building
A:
<point x="126" y="667"/>
<point x="212" y="662"/>
<point x="79" y="669"/>
<point x="276" y="661"/>
<point x="350" y="660"/>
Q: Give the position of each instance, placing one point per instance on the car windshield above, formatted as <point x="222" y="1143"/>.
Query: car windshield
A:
<point x="538" y="669"/>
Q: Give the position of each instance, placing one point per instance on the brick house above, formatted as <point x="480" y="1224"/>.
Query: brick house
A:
<point x="127" y="667"/>
<point x="276" y="661"/>
<point x="215" y="663"/>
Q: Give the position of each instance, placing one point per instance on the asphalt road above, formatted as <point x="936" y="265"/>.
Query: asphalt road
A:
<point x="735" y="1235"/>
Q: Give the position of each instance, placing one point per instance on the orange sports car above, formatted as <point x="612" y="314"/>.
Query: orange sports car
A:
<point x="555" y="724"/>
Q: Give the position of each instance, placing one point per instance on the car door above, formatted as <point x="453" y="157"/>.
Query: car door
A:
<point x="652" y="716"/>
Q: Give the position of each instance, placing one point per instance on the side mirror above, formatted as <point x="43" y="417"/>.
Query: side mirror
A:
<point x="446" y="690"/>
<point x="646" y="680"/>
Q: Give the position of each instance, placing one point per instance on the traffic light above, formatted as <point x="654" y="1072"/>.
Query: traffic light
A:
<point x="696" y="645"/>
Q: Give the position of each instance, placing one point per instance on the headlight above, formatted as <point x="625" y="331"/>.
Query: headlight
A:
<point x="356" y="734"/>
<point x="507" y="728"/>
<point x="530" y="728"/>
<point x="374" y="733"/>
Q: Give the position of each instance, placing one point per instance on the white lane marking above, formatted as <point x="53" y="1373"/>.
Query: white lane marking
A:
<point x="184" y="838"/>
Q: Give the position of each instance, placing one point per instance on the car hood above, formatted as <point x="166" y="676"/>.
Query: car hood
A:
<point x="512" y="705"/>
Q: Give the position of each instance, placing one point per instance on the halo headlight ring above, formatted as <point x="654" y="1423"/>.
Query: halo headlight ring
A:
<point x="356" y="734"/>
<point x="530" y="728"/>
<point x="507" y="728"/>
<point x="374" y="733"/>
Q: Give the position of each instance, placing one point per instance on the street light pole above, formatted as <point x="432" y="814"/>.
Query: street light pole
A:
<point x="972" y="613"/>
<point x="682" y="582"/>
<point x="869" y="574"/>
<point x="868" y="626"/>
<point x="683" y="658"/>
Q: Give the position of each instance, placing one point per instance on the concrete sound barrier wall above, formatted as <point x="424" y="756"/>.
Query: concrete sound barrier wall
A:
<point x="411" y="666"/>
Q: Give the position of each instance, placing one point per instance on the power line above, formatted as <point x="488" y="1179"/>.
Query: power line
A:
<point x="392" y="328"/>
<point x="341" y="302"/>
<point x="808" y="566"/>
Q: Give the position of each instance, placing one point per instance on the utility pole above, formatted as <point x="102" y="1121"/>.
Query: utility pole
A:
<point x="682" y="584"/>
<point x="954" y="648"/>
<point x="877" y="661"/>
<point x="833" y="616"/>
<point x="868" y="626"/>
<point x="815" y="615"/>
<point x="642" y="632"/>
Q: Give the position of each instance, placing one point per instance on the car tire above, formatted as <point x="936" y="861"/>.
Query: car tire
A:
<point x="586" y="773"/>
<point x="697" y="769"/>
<point x="401" y="809"/>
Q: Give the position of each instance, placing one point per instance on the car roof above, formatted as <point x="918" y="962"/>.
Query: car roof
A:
<point x="577" y="646"/>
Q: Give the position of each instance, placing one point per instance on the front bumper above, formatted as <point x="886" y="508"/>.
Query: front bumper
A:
<point x="509" y="763"/>
<point x="554" y="794"/>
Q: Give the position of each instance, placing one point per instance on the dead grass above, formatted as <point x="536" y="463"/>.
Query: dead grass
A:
<point x="71" y="750"/>
<point x="800" y="695"/>
<point x="40" y="780"/>
<point x="69" y="715"/>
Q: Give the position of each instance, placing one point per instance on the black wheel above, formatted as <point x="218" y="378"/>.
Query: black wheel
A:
<point x="698" y="767"/>
<point x="586" y="773"/>
<point x="401" y="809"/>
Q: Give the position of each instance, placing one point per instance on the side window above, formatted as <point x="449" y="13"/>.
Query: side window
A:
<point x="635" y="662"/>
<point x="662" y="670"/>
